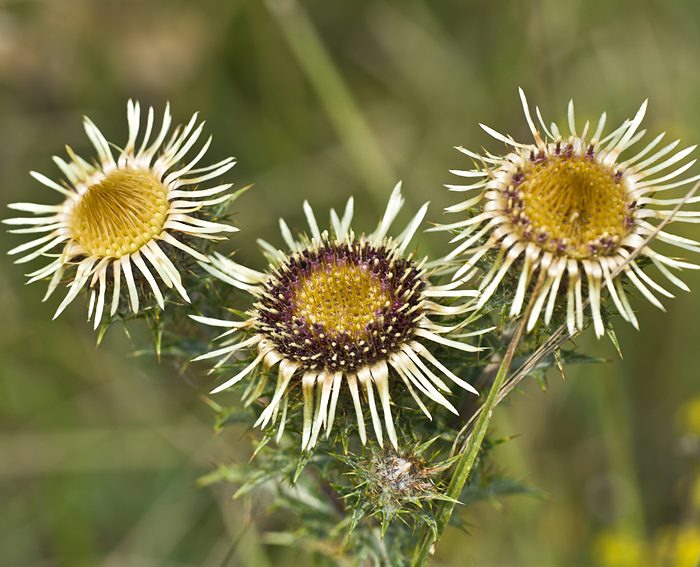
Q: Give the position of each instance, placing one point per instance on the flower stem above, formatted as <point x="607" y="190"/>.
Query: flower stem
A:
<point x="465" y="464"/>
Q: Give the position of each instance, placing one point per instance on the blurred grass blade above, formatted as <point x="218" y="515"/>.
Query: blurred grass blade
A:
<point x="316" y="63"/>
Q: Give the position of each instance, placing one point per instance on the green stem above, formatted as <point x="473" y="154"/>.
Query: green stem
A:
<point x="466" y="462"/>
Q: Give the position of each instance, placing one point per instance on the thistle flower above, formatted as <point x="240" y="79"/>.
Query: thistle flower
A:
<point x="567" y="207"/>
<point x="341" y="309"/>
<point x="120" y="213"/>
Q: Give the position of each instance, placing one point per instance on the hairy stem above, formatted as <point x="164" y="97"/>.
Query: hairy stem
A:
<point x="465" y="464"/>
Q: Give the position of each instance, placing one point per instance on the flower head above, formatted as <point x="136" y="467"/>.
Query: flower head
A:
<point x="124" y="215"/>
<point x="388" y="485"/>
<point x="342" y="309"/>
<point x="570" y="208"/>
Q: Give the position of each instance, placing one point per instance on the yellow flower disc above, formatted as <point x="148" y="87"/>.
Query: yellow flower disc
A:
<point x="574" y="205"/>
<point x="342" y="298"/>
<point x="120" y="214"/>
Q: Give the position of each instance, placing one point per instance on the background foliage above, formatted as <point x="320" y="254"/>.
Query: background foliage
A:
<point x="100" y="452"/>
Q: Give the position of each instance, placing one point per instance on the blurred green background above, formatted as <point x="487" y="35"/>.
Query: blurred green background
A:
<point x="100" y="451"/>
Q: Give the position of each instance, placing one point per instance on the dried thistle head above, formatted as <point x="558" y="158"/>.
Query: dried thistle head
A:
<point x="574" y="209"/>
<point x="343" y="314"/>
<point x="390" y="485"/>
<point x="125" y="218"/>
<point x="398" y="477"/>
